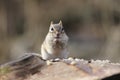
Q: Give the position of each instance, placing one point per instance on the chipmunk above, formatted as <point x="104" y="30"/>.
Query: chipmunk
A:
<point x="55" y="43"/>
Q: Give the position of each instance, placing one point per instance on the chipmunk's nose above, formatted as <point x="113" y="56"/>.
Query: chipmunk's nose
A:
<point x="57" y="34"/>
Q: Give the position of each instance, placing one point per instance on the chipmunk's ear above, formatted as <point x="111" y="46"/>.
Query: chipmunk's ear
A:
<point x="51" y="23"/>
<point x="60" y="22"/>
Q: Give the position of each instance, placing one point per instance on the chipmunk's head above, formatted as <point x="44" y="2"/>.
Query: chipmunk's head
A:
<point x="56" y="30"/>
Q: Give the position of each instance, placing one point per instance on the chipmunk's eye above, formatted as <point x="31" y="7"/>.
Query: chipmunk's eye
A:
<point x="52" y="29"/>
<point x="62" y="29"/>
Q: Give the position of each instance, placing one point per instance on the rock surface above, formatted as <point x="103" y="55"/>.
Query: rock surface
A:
<point x="33" y="67"/>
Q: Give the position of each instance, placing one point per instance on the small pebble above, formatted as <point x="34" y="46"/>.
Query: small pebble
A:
<point x="76" y="59"/>
<point x="57" y="59"/>
<point x="73" y="63"/>
<point x="70" y="58"/>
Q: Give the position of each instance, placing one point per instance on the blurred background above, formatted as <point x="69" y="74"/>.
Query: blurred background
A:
<point x="93" y="27"/>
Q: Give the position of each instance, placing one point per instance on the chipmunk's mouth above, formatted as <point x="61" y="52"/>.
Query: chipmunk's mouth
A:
<point x="57" y="37"/>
